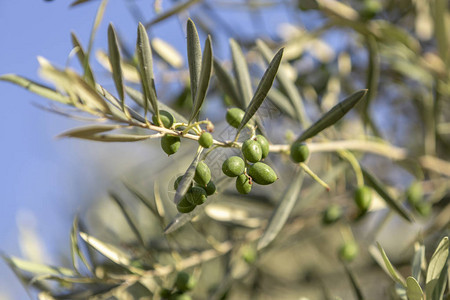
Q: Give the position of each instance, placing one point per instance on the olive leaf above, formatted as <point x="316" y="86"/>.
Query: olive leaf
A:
<point x="75" y="248"/>
<point x="441" y="28"/>
<point x="282" y="211"/>
<point x="332" y="116"/>
<point x="114" y="59"/>
<point x="36" y="88"/>
<point x="228" y="85"/>
<point x="173" y="11"/>
<point x="282" y="102"/>
<point x="194" y="53"/>
<point x="413" y="289"/>
<point x="89" y="75"/>
<point x="370" y="180"/>
<point x="205" y="76"/>
<point x="436" y="265"/>
<point x="355" y="285"/>
<point x="144" y="53"/>
<point x="418" y="261"/>
<point x="36" y="268"/>
<point x="92" y="132"/>
<point x="240" y="69"/>
<point x="167" y="52"/>
<point x="388" y="267"/>
<point x="263" y="88"/>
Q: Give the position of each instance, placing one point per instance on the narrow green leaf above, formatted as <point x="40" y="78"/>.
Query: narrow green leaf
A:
<point x="194" y="53"/>
<point x="282" y="211"/>
<point x="114" y="59"/>
<point x="390" y="268"/>
<point x="417" y="263"/>
<point x="282" y="102"/>
<point x="36" y="88"/>
<point x="440" y="15"/>
<point x="241" y="73"/>
<point x="228" y="85"/>
<point x="144" y="53"/>
<point x="77" y="2"/>
<point x="75" y="248"/>
<point x="89" y="75"/>
<point x="355" y="284"/>
<point x="113" y="138"/>
<point x="413" y="289"/>
<point x="173" y="11"/>
<point x="286" y="84"/>
<point x="332" y="116"/>
<point x="93" y="133"/>
<point x="437" y="263"/>
<point x="167" y="52"/>
<point x="370" y="180"/>
<point x="109" y="251"/>
<point x="37" y="268"/>
<point x="205" y="76"/>
<point x="439" y="286"/>
<point x="89" y="130"/>
<point x="143" y="199"/>
<point x="263" y="88"/>
<point x="128" y="217"/>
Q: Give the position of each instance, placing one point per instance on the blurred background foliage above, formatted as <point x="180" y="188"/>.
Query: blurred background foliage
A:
<point x="400" y="132"/>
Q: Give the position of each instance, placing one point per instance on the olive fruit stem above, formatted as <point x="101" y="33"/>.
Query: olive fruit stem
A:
<point x="314" y="176"/>
<point x="355" y="165"/>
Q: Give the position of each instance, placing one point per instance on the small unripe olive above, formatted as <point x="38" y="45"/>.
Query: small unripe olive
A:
<point x="205" y="140"/>
<point x="170" y="144"/>
<point x="249" y="254"/>
<point x="233" y="166"/>
<point x="185" y="282"/>
<point x="185" y="206"/>
<point x="348" y="251"/>
<point x="414" y="193"/>
<point x="299" y="152"/>
<point x="370" y="9"/>
<point x="196" y="195"/>
<point x="262" y="173"/>
<point x="243" y="184"/>
<point x="202" y="174"/>
<point x="252" y="151"/>
<point x="180" y="296"/>
<point x="363" y="197"/>
<point x="423" y="208"/>
<point x="210" y="188"/>
<point x="165" y="293"/>
<point x="166" y="118"/>
<point x="332" y="214"/>
<point x="264" y="143"/>
<point x="234" y="116"/>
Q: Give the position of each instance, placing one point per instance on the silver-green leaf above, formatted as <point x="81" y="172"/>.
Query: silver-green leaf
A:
<point x="194" y="54"/>
<point x="114" y="59"/>
<point x="241" y="73"/>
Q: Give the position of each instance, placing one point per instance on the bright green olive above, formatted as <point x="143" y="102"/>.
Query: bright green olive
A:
<point x="180" y="296"/>
<point x="202" y="174"/>
<point x="233" y="166"/>
<point x="299" y="152"/>
<point x="243" y="184"/>
<point x="196" y="195"/>
<point x="332" y="214"/>
<point x="348" y="251"/>
<point x="423" y="208"/>
<point x="205" y="140"/>
<point x="414" y="193"/>
<point x="185" y="206"/>
<point x="210" y="188"/>
<point x="363" y="197"/>
<point x="170" y="144"/>
<point x="166" y="118"/>
<point x="234" y="116"/>
<point x="264" y="143"/>
<point x="252" y="151"/>
<point x="185" y="282"/>
<point x="262" y="173"/>
<point x="249" y="254"/>
<point x="370" y="9"/>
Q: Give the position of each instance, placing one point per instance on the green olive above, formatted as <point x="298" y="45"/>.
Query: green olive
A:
<point x="185" y="282"/>
<point x="262" y="174"/>
<point x="202" y="174"/>
<point x="205" y="140"/>
<point x="234" y="116"/>
<point x="170" y="144"/>
<point x="414" y="193"/>
<point x="196" y="195"/>
<point x="264" y="143"/>
<point x="370" y="9"/>
<point x="210" y="188"/>
<point x="185" y="206"/>
<point x="332" y="214"/>
<point x="166" y="118"/>
<point x="252" y="151"/>
<point x="180" y="296"/>
<point x="363" y="197"/>
<point x="348" y="251"/>
<point x="243" y="184"/>
<point x="299" y="152"/>
<point x="165" y="293"/>
<point x="423" y="208"/>
<point x="233" y="166"/>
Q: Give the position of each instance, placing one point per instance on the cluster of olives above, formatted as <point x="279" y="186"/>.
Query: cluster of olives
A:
<point x="183" y="283"/>
<point x="196" y="194"/>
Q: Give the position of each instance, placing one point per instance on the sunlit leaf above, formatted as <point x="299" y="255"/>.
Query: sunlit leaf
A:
<point x="413" y="289"/>
<point x="36" y="88"/>
<point x="173" y="11"/>
<point x="130" y="72"/>
<point x="241" y="73"/>
<point x="282" y="211"/>
<point x="440" y="13"/>
<point x="395" y="275"/>
<point x="418" y="261"/>
<point x="194" y="53"/>
<point x="263" y="88"/>
<point x="75" y="248"/>
<point x="89" y="75"/>
<point x="205" y="76"/>
<point x="37" y="268"/>
<point x="437" y="263"/>
<point x="332" y="116"/>
<point x="114" y="59"/>
<point x="370" y="180"/>
<point x="167" y="52"/>
<point x="109" y="251"/>
<point x="94" y="133"/>
<point x="89" y="130"/>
